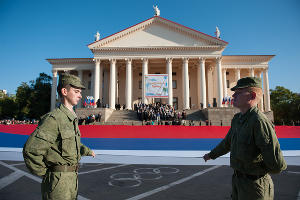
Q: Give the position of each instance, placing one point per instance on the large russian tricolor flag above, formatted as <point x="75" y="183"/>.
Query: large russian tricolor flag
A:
<point x="125" y="140"/>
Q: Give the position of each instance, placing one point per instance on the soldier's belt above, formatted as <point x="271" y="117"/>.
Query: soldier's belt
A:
<point x="251" y="177"/>
<point x="64" y="168"/>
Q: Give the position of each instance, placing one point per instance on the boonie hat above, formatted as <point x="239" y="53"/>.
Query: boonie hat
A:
<point x="248" y="82"/>
<point x="69" y="79"/>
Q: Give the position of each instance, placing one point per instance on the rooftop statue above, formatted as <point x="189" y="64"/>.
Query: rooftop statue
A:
<point x="218" y="33"/>
<point x="97" y="36"/>
<point x="156" y="10"/>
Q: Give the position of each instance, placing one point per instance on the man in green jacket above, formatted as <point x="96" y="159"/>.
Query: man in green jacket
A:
<point x="54" y="149"/>
<point x="253" y="145"/>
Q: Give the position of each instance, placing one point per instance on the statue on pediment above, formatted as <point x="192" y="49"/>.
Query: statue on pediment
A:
<point x="97" y="36"/>
<point x="218" y="33"/>
<point x="156" y="11"/>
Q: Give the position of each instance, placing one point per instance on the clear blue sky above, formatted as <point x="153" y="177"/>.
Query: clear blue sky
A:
<point x="34" y="30"/>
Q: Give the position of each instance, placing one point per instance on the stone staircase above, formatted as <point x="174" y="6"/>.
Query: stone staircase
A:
<point x="209" y="116"/>
<point x="123" y="117"/>
<point x="220" y="116"/>
<point x="196" y="115"/>
<point x="129" y="117"/>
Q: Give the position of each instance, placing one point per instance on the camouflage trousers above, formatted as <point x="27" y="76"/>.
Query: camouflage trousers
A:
<point x="244" y="188"/>
<point x="60" y="186"/>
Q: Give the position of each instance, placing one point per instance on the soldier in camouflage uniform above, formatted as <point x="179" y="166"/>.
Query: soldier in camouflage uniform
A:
<point x="54" y="149"/>
<point x="254" y="148"/>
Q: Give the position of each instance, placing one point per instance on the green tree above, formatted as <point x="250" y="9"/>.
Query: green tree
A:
<point x="285" y="105"/>
<point x="295" y="104"/>
<point x="8" y="108"/>
<point x="40" y="97"/>
<point x="33" y="99"/>
<point x="23" y="100"/>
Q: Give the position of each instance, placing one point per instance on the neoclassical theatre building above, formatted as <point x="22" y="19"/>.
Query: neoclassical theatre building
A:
<point x="199" y="76"/>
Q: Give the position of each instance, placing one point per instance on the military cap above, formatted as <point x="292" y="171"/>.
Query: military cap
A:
<point x="248" y="82"/>
<point x="69" y="79"/>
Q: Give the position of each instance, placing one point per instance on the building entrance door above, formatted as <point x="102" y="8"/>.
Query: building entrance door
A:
<point x="175" y="103"/>
<point x="157" y="100"/>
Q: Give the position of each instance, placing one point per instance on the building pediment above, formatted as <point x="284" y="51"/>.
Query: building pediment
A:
<point x="158" y="32"/>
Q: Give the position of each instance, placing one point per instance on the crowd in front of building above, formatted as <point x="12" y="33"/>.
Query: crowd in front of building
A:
<point x="148" y="114"/>
<point x="14" y="121"/>
<point x="158" y="112"/>
<point x="90" y="120"/>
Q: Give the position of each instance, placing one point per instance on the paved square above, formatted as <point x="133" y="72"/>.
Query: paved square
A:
<point x="148" y="182"/>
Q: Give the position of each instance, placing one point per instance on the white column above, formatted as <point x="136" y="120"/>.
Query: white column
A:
<point x="112" y="86"/>
<point x="261" y="102"/>
<point x="219" y="81"/>
<point x="128" y="87"/>
<point x="203" y="82"/>
<point x="92" y="83"/>
<point x="237" y="74"/>
<point x="101" y="84"/>
<point x="106" y="82"/>
<point x="145" y="72"/>
<point x="199" y="97"/>
<point x="210" y="85"/>
<point x="53" y="90"/>
<point x="252" y="72"/>
<point x="225" y="82"/>
<point x="117" y="85"/>
<point x="80" y="75"/>
<point x="170" y="78"/>
<point x="266" y="91"/>
<point x="186" y="92"/>
<point x="96" y="79"/>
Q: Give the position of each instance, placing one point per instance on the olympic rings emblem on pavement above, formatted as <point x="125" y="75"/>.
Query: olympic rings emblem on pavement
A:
<point x="134" y="179"/>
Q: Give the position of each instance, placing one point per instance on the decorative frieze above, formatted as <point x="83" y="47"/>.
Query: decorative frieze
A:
<point x="241" y="59"/>
<point x="56" y="61"/>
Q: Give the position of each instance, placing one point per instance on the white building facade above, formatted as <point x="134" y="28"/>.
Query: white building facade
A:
<point x="199" y="75"/>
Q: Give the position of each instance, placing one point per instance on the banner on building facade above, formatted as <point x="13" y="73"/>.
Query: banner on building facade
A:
<point x="156" y="85"/>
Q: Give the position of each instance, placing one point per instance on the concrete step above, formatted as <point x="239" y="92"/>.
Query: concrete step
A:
<point x="123" y="116"/>
<point x="196" y="115"/>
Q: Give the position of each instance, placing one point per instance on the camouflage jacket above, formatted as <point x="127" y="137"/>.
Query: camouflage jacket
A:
<point x="252" y="143"/>
<point x="56" y="141"/>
